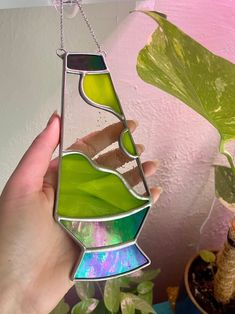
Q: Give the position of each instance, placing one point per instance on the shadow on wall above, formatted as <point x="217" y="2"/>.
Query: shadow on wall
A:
<point x="31" y="72"/>
<point x="185" y="143"/>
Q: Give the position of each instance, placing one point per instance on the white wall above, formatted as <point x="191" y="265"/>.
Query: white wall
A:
<point x="184" y="142"/>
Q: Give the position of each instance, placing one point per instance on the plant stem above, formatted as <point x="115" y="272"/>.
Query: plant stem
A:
<point x="100" y="289"/>
<point x="227" y="155"/>
<point x="224" y="278"/>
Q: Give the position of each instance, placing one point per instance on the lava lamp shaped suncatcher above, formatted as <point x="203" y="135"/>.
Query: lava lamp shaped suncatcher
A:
<point x="96" y="204"/>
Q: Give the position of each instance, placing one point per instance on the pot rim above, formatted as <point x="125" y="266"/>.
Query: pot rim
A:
<point x="186" y="283"/>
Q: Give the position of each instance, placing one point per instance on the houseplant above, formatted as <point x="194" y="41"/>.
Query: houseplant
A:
<point x="180" y="66"/>
<point x="124" y="295"/>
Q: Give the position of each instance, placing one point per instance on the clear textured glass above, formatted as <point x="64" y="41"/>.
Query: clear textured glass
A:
<point x="95" y="234"/>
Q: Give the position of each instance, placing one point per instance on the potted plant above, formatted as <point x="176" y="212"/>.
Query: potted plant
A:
<point x="124" y="295"/>
<point x="180" y="66"/>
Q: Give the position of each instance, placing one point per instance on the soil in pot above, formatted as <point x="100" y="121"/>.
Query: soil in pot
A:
<point x="200" y="279"/>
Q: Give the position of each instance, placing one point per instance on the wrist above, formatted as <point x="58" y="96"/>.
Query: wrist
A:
<point x="12" y="299"/>
<point x="9" y="301"/>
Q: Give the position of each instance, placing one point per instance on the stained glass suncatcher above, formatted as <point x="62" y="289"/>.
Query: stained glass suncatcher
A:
<point x="95" y="204"/>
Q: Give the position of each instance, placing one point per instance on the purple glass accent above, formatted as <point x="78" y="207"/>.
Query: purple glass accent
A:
<point x="85" y="62"/>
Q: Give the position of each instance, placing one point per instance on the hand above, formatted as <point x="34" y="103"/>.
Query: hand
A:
<point x="36" y="255"/>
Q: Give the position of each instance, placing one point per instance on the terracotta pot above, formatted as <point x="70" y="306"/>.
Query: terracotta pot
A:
<point x="186" y="283"/>
<point x="186" y="304"/>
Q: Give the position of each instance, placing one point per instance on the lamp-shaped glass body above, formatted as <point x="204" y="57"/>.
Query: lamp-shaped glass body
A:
<point x="95" y="204"/>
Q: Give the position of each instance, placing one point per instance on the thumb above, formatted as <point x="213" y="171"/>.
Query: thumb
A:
<point x="28" y="176"/>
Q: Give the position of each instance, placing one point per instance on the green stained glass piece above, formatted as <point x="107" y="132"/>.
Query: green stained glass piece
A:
<point x="128" y="144"/>
<point x="88" y="192"/>
<point x="99" y="89"/>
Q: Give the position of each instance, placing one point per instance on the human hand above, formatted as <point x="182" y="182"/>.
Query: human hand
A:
<point x="36" y="255"/>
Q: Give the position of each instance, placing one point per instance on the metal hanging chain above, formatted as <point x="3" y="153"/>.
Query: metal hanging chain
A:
<point x="91" y="30"/>
<point x="85" y="18"/>
<point x="61" y="25"/>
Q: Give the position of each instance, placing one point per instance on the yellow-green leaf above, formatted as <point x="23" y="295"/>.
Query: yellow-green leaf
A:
<point x="145" y="286"/>
<point x="139" y="303"/>
<point x="127" y="304"/>
<point x="148" y="297"/>
<point x="85" y="289"/>
<point x="112" y="295"/>
<point x="86" y="306"/>
<point x="177" y="64"/>
<point x="207" y="256"/>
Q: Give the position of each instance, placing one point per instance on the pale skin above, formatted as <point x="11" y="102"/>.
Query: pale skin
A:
<point x="36" y="255"/>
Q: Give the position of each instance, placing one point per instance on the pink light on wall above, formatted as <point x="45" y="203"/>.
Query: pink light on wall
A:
<point x="185" y="143"/>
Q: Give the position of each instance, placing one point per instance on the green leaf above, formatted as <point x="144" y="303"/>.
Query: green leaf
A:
<point x="207" y="256"/>
<point x="127" y="304"/>
<point x="101" y="309"/>
<point x="177" y="64"/>
<point x="144" y="287"/>
<point x="86" y="191"/>
<point x="86" y="306"/>
<point x="85" y="289"/>
<point x="61" y="308"/>
<point x="139" y="303"/>
<point x="148" y="297"/>
<point x="112" y="295"/>
<point x="144" y="275"/>
<point x="123" y="282"/>
<point x="225" y="186"/>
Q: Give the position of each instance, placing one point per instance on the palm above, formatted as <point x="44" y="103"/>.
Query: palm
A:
<point x="41" y="253"/>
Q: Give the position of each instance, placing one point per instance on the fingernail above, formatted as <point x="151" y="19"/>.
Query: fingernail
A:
<point x="155" y="193"/>
<point x="159" y="189"/>
<point x="140" y="148"/>
<point x="133" y="124"/>
<point x="157" y="163"/>
<point x="54" y="114"/>
<point x="136" y="123"/>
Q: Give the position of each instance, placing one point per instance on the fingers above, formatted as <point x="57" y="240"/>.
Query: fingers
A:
<point x="95" y="142"/>
<point x="92" y="144"/>
<point x="149" y="167"/>
<point x="33" y="166"/>
<point x="133" y="175"/>
<point x="155" y="193"/>
<point x="116" y="158"/>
